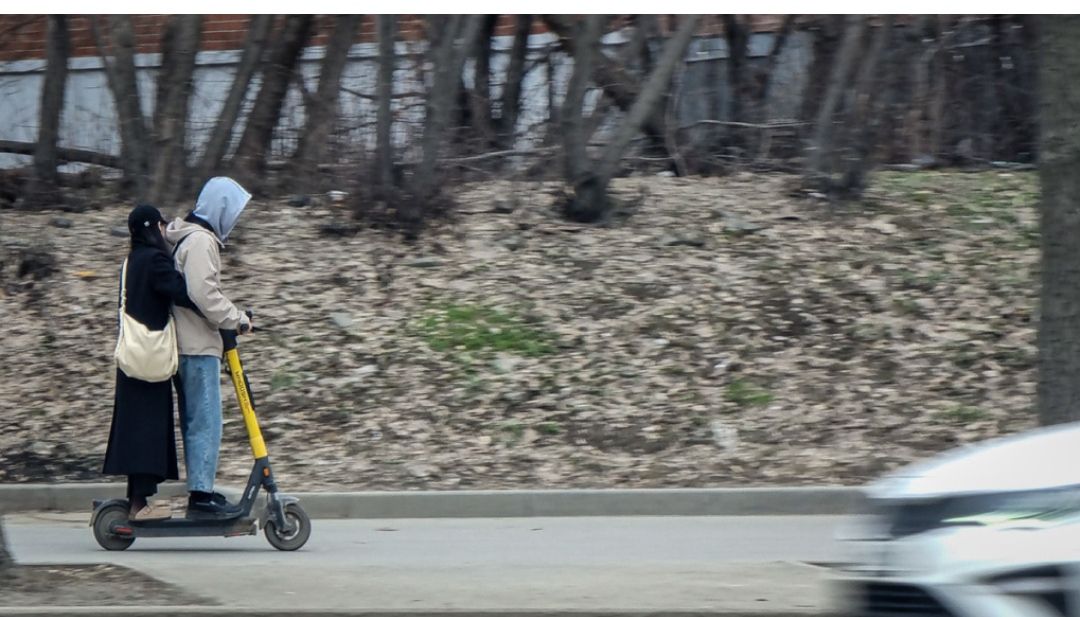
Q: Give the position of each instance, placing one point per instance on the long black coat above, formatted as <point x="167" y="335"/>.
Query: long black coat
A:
<point x="142" y="440"/>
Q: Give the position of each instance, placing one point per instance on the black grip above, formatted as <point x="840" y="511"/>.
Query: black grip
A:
<point x="228" y="339"/>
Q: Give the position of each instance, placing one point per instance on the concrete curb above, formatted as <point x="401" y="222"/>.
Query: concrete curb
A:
<point x="72" y="497"/>
<point x="488" y="504"/>
<point x="211" y="611"/>
<point x="603" y="502"/>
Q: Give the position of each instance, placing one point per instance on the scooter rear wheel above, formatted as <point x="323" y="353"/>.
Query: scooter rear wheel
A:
<point x="298" y="537"/>
<point x="103" y="525"/>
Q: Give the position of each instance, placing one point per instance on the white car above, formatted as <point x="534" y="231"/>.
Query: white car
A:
<point x="991" y="530"/>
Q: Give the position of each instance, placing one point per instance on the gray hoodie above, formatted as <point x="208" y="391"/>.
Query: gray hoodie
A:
<point x="198" y="257"/>
<point x="220" y="204"/>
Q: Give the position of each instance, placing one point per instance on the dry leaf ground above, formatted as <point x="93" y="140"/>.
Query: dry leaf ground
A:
<point x="721" y="332"/>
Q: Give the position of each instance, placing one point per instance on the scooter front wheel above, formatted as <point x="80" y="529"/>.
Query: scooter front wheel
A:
<point x="289" y="541"/>
<point x="109" y="517"/>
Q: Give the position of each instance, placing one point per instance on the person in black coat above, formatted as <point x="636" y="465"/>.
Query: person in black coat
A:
<point x="142" y="444"/>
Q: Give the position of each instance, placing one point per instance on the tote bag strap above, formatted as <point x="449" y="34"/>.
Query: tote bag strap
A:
<point x="123" y="288"/>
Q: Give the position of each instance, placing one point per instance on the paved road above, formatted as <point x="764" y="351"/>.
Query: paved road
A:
<point x="639" y="563"/>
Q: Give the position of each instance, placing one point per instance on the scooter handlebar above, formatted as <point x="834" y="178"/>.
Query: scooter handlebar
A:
<point x="228" y="337"/>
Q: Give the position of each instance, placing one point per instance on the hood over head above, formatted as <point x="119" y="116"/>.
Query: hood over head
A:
<point x="220" y="204"/>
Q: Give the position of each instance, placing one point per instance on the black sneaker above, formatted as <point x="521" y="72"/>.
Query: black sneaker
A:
<point x="209" y="505"/>
<point x="218" y="498"/>
<point x="215" y="496"/>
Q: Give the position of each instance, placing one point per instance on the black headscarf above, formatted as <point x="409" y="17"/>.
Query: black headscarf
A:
<point x="143" y="227"/>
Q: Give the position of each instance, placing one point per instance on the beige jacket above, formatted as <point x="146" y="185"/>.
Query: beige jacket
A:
<point x="198" y="258"/>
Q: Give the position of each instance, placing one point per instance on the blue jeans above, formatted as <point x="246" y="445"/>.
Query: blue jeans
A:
<point x="200" y="419"/>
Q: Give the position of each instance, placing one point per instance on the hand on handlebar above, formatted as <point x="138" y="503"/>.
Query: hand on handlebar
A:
<point x="249" y="327"/>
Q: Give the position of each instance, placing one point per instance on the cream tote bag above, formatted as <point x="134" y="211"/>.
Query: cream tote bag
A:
<point x="142" y="353"/>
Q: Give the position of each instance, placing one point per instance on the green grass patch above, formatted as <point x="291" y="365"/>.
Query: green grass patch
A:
<point x="476" y="328"/>
<point x="973" y="200"/>
<point x="548" y="428"/>
<point x="746" y="394"/>
<point x="963" y="414"/>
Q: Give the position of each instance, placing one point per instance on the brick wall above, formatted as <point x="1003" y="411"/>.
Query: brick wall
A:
<point x="22" y="37"/>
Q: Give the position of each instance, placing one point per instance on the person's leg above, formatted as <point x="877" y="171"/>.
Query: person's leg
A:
<point x="200" y="377"/>
<point x="140" y="488"/>
<point x="136" y="500"/>
<point x="200" y="419"/>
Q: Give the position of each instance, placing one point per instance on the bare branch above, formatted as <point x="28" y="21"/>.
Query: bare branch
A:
<point x="411" y="94"/>
<point x="654" y="88"/>
<point x="752" y="125"/>
<point x="251" y="57"/>
<point x="70" y="155"/>
<point x="498" y="155"/>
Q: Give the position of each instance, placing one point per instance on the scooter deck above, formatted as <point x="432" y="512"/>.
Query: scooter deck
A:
<point x="186" y="527"/>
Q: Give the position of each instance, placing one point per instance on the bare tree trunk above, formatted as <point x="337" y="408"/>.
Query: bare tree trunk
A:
<point x="120" y="72"/>
<point x="635" y="57"/>
<point x="738" y="40"/>
<point x="249" y="162"/>
<point x="656" y="127"/>
<point x="820" y="160"/>
<point x="827" y="30"/>
<point x="384" y="120"/>
<point x="864" y="120"/>
<point x="480" y="95"/>
<point x="323" y="109"/>
<point x="448" y="56"/>
<point x="44" y="187"/>
<point x="1010" y="84"/>
<point x="615" y="81"/>
<point x="171" y="109"/>
<point x="765" y="81"/>
<point x="590" y="201"/>
<point x="762" y="86"/>
<point x="1059" y="159"/>
<point x="510" y="103"/>
<point x="1025" y="70"/>
<point x="999" y="133"/>
<point x="656" y="86"/>
<point x="914" y="127"/>
<point x="897" y="65"/>
<point x="165" y="75"/>
<point x="939" y="91"/>
<point x="575" y="156"/>
<point x="250" y="59"/>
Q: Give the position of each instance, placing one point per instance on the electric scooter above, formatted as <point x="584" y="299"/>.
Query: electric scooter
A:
<point x="286" y="526"/>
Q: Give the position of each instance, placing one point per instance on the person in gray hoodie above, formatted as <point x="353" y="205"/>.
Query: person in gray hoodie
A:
<point x="196" y="242"/>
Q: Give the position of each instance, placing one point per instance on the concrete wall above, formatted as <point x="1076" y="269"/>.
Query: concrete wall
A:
<point x="89" y="119"/>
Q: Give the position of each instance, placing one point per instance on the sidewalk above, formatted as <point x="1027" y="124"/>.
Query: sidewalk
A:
<point x="732" y="566"/>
